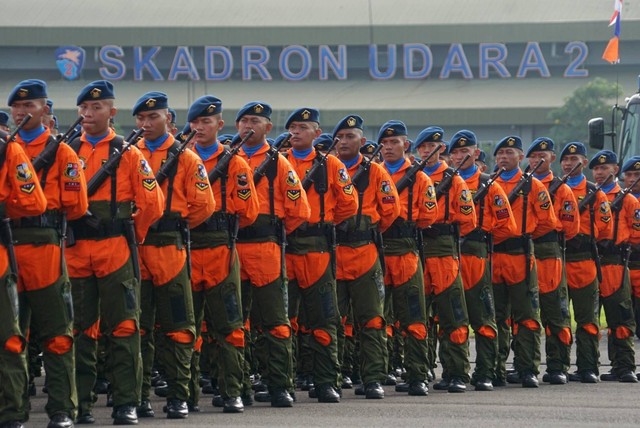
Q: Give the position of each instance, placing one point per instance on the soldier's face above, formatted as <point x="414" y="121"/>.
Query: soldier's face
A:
<point x="629" y="178"/>
<point x="207" y="128"/>
<point x="425" y="149"/>
<point x="569" y="161"/>
<point x="393" y="148"/>
<point x="509" y="158"/>
<point x="601" y="172"/>
<point x="303" y="134"/>
<point x="96" y="116"/>
<point x="261" y="127"/>
<point x="535" y="157"/>
<point x="154" y="122"/>
<point x="350" y="141"/>
<point x="37" y="108"/>
<point x="458" y="154"/>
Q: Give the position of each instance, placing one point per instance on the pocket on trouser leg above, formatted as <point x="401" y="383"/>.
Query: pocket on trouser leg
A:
<point x="231" y="304"/>
<point x="51" y="308"/>
<point x="328" y="301"/>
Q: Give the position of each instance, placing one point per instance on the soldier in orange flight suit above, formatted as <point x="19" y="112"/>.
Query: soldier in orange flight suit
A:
<point x="106" y="290"/>
<point x="631" y="171"/>
<point x="166" y="291"/>
<point x="550" y="251"/>
<point x="283" y="208"/>
<point x="19" y="197"/>
<point x="515" y="284"/>
<point x="615" y="287"/>
<point x="582" y="263"/>
<point x="456" y="217"/>
<point x="359" y="270"/>
<point x="495" y="221"/>
<point x="404" y="278"/>
<point x="42" y="277"/>
<point x="310" y="256"/>
<point x="215" y="281"/>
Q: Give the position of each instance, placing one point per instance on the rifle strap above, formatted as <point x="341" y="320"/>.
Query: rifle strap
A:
<point x="557" y="186"/>
<point x="271" y="173"/>
<point x="410" y="202"/>
<point x="361" y="186"/>
<point x="223" y="184"/>
<point x="482" y="182"/>
<point x="171" y="175"/>
<point x="616" y="219"/>
<point x="321" y="184"/>
<point x="445" y="191"/>
<point x="592" y="213"/>
<point x="45" y="170"/>
<point x="115" y="144"/>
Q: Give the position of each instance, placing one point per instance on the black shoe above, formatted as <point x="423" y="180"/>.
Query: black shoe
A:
<point x="247" y="399"/>
<point x="210" y="388"/>
<point x="483" y="384"/>
<point x="32" y="390"/>
<point x="443" y="385"/>
<point x="514" y="377"/>
<point x="177" y="409"/>
<point x="456" y="385"/>
<point x="233" y="405"/>
<point x="359" y="390"/>
<point x="307" y="383"/>
<point x="609" y="377"/>
<point x="402" y="387"/>
<point x="125" y="415"/>
<point x="557" y="378"/>
<point x="217" y="401"/>
<point x="60" y="420"/>
<point x="12" y="424"/>
<point x="203" y="380"/>
<point x="390" y="379"/>
<point x="87" y="418"/>
<point x="262" y="397"/>
<point x="145" y="410"/>
<point x="373" y="390"/>
<point x="281" y="398"/>
<point x="346" y="382"/>
<point x="155" y="378"/>
<point x="529" y="380"/>
<point x="101" y="387"/>
<point x="573" y="377"/>
<point x="162" y="390"/>
<point x="628" y="377"/>
<point x="326" y="394"/>
<point x="498" y="382"/>
<point x="259" y="386"/>
<point x="193" y="408"/>
<point x="418" y="389"/>
<point x="356" y="379"/>
<point x="312" y="392"/>
<point x="587" y="376"/>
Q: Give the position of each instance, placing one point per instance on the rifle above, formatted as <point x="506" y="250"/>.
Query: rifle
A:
<point x="553" y="188"/>
<point x="588" y="199"/>
<point x="616" y="204"/>
<point x="272" y="155"/>
<point x="223" y="162"/>
<point x="309" y="177"/>
<point x="172" y="160"/>
<point x="48" y="155"/>
<point x="524" y="180"/>
<point x="482" y="191"/>
<point x="7" y="240"/>
<point x="12" y="136"/>
<point x="445" y="184"/>
<point x="407" y="178"/>
<point x="365" y="165"/>
<point x="109" y="167"/>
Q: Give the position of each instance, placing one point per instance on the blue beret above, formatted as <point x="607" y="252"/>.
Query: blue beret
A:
<point x="430" y="134"/>
<point x="207" y="105"/>
<point x="392" y="128"/>
<point x="509" y="141"/>
<point x="182" y="135"/>
<point x="304" y="114"/>
<point x="323" y="142"/>
<point x="280" y="138"/>
<point x="235" y="140"/>
<point x="348" y="122"/>
<point x="97" y="90"/>
<point x="151" y="101"/>
<point x="482" y="157"/>
<point x="4" y="118"/>
<point x="368" y="147"/>
<point x="225" y="139"/>
<point x="575" y="148"/>
<point x="603" y="157"/>
<point x="255" y="108"/>
<point x="50" y="104"/>
<point x="541" y="144"/>
<point x="31" y="89"/>
<point x="55" y="122"/>
<point x="462" y="138"/>
<point x="632" y="164"/>
<point x="173" y="114"/>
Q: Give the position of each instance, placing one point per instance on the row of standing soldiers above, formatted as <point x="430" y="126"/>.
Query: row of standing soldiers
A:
<point x="114" y="238"/>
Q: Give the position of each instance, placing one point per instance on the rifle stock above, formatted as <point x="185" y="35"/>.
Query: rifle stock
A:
<point x="445" y="184"/>
<point x="12" y="136"/>
<point x="222" y="164"/>
<point x="556" y="184"/>
<point x="48" y="154"/>
<point x="272" y="154"/>
<point x="481" y="193"/>
<point x="309" y="177"/>
<point x="526" y="178"/>
<point x="407" y="178"/>
<point x="172" y="160"/>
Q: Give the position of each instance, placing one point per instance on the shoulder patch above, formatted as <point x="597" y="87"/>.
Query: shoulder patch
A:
<point x="201" y="173"/>
<point x="144" y="168"/>
<point x="242" y="180"/>
<point x="465" y="196"/>
<point x="604" y="207"/>
<point x="385" y="187"/>
<point x="72" y="171"/>
<point x="543" y="196"/>
<point x="343" y="176"/>
<point x="23" y="172"/>
<point x="431" y="193"/>
<point x="498" y="201"/>
<point x="292" y="179"/>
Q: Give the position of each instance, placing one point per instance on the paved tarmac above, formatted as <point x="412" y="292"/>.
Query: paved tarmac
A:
<point x="573" y="405"/>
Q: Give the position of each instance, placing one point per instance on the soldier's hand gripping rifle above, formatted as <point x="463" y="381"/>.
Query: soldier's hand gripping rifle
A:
<point x="12" y="136"/>
<point x="445" y="183"/>
<point x="590" y="197"/>
<point x="555" y="185"/>
<point x="310" y="176"/>
<point x="525" y="180"/>
<point x="365" y="166"/>
<point x="223" y="163"/>
<point x="109" y="167"/>
<point x="484" y="189"/>
<point x="408" y="177"/>
<point x="172" y="160"/>
<point x="272" y="155"/>
<point x="48" y="155"/>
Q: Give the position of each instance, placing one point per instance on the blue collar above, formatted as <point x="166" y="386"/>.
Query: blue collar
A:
<point x="95" y="140"/>
<point x="301" y="154"/>
<point x="29" y="136"/>
<point x="250" y="151"/>
<point x="206" y="152"/>
<point x="468" y="173"/>
<point x="508" y="175"/>
<point x="393" y="167"/>
<point x="574" y="181"/>
<point x="154" y="145"/>
<point x="351" y="162"/>
<point x="431" y="169"/>
<point x="608" y="187"/>
<point x="541" y="176"/>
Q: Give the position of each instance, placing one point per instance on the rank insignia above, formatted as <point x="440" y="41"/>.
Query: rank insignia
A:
<point x="466" y="209"/>
<point x="149" y="183"/>
<point x="605" y="219"/>
<point x="27" y="188"/>
<point x="294" y="195"/>
<point x="244" y="194"/>
<point x="545" y="206"/>
<point x="430" y="205"/>
<point x="72" y="171"/>
<point x="348" y="189"/>
<point x="202" y="186"/>
<point x="23" y="172"/>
